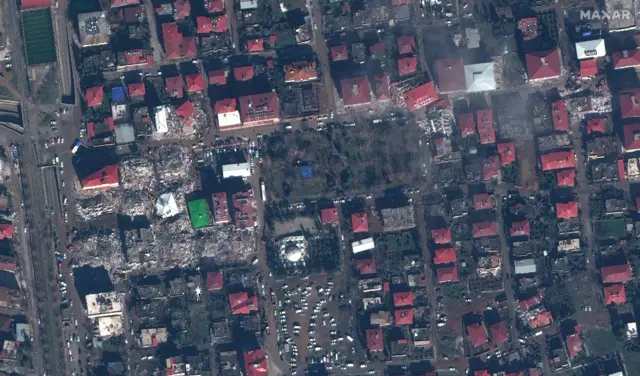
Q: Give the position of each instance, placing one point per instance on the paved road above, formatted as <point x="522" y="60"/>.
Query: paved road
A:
<point x="320" y="47"/>
<point x="60" y="30"/>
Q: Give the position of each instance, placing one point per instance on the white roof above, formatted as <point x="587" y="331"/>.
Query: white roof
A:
<point x="228" y="119"/>
<point x="110" y="326"/>
<point x="248" y="4"/>
<point x="363" y="245"/>
<point x="526" y="266"/>
<point x="160" y="117"/>
<point x="166" y="206"/>
<point x="104" y="304"/>
<point x="119" y="111"/>
<point x="480" y="77"/>
<point x="590" y="49"/>
<point x="125" y="134"/>
<point x="236" y="170"/>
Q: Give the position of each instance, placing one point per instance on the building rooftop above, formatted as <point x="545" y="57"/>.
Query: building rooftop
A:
<point x="359" y="222"/>
<point x="480" y="77"/>
<point x="403" y="316"/>
<point x="630" y="103"/>
<point x="567" y="210"/>
<point x="499" y="333"/>
<point x="407" y="65"/>
<point x="451" y="75"/>
<point x="477" y="334"/>
<point x="616" y="273"/>
<point x="242" y="303"/>
<point x="259" y="109"/>
<point x="329" y="216"/>
<point x="402" y="299"/>
<point x="522" y="228"/>
<point x="558" y="160"/>
<point x="491" y="168"/>
<point x="444" y="256"/>
<point x="543" y="64"/>
<point x="406" y="44"/>
<point x="375" y="339"/>
<point x="485" y="229"/>
<point x="104" y="304"/>
<point x="559" y="116"/>
<point x="339" y="53"/>
<point x="615" y="294"/>
<point x="366" y="266"/>
<point x="421" y="96"/>
<point x="355" y="91"/>
<point x="447" y="274"/>
<point x="214" y="281"/>
<point x="486" y="129"/>
<point x="441" y="236"/>
<point x="199" y="213"/>
<point x="94" y="28"/>
<point x="300" y="71"/>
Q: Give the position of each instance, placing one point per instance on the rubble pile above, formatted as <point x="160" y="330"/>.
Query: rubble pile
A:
<point x="99" y="249"/>
<point x="437" y="122"/>
<point x="395" y="219"/>
<point x="137" y="173"/>
<point x="89" y="208"/>
<point x="173" y="165"/>
<point x="173" y="241"/>
<point x="228" y="245"/>
<point x="136" y="202"/>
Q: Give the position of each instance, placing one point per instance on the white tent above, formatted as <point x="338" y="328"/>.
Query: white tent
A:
<point x="590" y="49"/>
<point x="160" y="117"/>
<point x="480" y="77"/>
<point x="166" y="206"/>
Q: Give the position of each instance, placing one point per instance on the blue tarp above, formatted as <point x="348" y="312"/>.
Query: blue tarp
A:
<point x="305" y="171"/>
<point x="117" y="94"/>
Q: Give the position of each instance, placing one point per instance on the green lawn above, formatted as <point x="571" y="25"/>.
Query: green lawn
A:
<point x="37" y="29"/>
<point x="199" y="212"/>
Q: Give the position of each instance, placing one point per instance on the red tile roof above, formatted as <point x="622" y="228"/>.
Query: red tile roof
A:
<point x="136" y="89"/>
<point x="541" y="319"/>
<point x="175" y="44"/>
<point x="375" y="340"/>
<point x="485" y="126"/>
<point x="558" y="160"/>
<point x="403" y="316"/>
<point x="477" y="334"/>
<point x="485" y="229"/>
<point x="543" y="64"/>
<point x="588" y="68"/>
<point x="339" y="53"/>
<point x="444" y="256"/>
<point x="402" y="299"/>
<point x="355" y="90"/>
<point x="467" y="124"/>
<point x="482" y="201"/>
<point x="597" y="125"/>
<point x="615" y="294"/>
<point x="574" y="345"/>
<point x="567" y="210"/>
<point x="483" y="372"/>
<point x="631" y="136"/>
<point x="329" y="216"/>
<point x="524" y="305"/>
<point x="491" y="167"/>
<point x="559" y="115"/>
<point x="382" y="87"/>
<point x="94" y="96"/>
<point x="300" y="71"/>
<point x="220" y="24"/>
<point x="174" y="86"/>
<point x="185" y="110"/>
<point x="6" y="230"/>
<point x="255" y="363"/>
<point x="241" y="303"/>
<point x="528" y="27"/>
<point x="450" y="74"/>
<point x="255" y="45"/>
<point x="406" y="44"/>
<point x="135" y="57"/>
<point x="507" y="151"/>
<point x="630" y="103"/>
<point x="522" y="228"/>
<point x="566" y="178"/>
<point x="441" y="236"/>
<point x="359" y="222"/>
<point x="421" y="96"/>
<point x="224" y="106"/>
<point x="627" y="58"/>
<point x="616" y="273"/>
<point x="36" y="4"/>
<point x="214" y="6"/>
<point x="447" y="274"/>
<point x="407" y="65"/>
<point x="106" y="177"/>
<point x="182" y="8"/>
<point x="366" y="266"/>
<point x="260" y="109"/>
<point x="195" y="83"/>
<point x="243" y="73"/>
<point x="214" y="281"/>
<point x="204" y="25"/>
<point x="217" y="77"/>
<point x="499" y="333"/>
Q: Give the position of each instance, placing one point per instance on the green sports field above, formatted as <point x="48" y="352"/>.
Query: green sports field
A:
<point x="37" y="29"/>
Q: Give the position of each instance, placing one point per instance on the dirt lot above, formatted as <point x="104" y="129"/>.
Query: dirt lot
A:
<point x="343" y="160"/>
<point x="526" y="155"/>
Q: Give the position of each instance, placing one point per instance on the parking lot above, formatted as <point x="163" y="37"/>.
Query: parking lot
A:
<point x="316" y="322"/>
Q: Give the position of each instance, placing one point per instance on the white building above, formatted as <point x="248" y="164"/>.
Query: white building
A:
<point x="480" y="77"/>
<point x="363" y="245"/>
<point x="590" y="49"/>
<point x="526" y="266"/>
<point x="229" y="119"/>
<point x="242" y="170"/>
<point x="293" y="249"/>
<point x="161" y="114"/>
<point x="166" y="206"/>
<point x="106" y="311"/>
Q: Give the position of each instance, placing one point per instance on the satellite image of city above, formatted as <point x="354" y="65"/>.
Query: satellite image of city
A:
<point x="319" y="187"/>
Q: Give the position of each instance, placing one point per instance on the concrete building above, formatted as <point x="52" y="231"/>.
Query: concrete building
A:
<point x="526" y="266"/>
<point x="94" y="29"/>
<point x="363" y="245"/>
<point x="241" y="170"/>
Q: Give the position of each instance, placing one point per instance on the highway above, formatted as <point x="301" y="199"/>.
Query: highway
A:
<point x="38" y="242"/>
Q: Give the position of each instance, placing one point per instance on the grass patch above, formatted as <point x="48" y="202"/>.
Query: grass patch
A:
<point x="37" y="29"/>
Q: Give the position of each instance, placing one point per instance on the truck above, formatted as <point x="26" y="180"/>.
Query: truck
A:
<point x="76" y="145"/>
